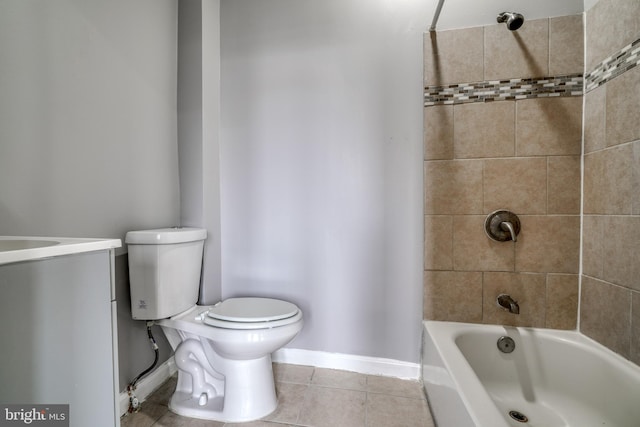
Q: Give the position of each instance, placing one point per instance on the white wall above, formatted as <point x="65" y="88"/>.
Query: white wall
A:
<point x="87" y="117"/>
<point x="321" y="166"/>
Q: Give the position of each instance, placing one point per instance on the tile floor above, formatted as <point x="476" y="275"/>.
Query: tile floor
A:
<point x="312" y="397"/>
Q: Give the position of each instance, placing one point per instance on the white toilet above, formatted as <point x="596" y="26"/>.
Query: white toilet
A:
<point x="223" y="352"/>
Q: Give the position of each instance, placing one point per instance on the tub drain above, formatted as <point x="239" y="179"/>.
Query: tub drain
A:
<point x="519" y="416"/>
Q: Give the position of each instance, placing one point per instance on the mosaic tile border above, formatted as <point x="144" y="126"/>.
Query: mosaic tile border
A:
<point x="504" y="90"/>
<point x="624" y="60"/>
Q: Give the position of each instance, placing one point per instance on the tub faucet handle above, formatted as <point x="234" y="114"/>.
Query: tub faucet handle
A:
<point x="507" y="226"/>
<point x="505" y="301"/>
<point x="502" y="226"/>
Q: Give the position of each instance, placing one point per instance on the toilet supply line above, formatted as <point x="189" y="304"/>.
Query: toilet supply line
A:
<point x="134" y="403"/>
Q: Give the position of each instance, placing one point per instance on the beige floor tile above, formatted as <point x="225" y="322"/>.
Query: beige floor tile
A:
<point x="394" y="411"/>
<point x="290" y="401"/>
<point x="258" y="423"/>
<point x="292" y="373"/>
<point x="163" y="394"/>
<point x="339" y="379"/>
<point x="333" y="407"/>
<point x="172" y="420"/>
<point x="149" y="413"/>
<point x="376" y="402"/>
<point x="395" y="387"/>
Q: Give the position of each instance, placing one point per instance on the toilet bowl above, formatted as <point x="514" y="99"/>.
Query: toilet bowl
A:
<point x="223" y="351"/>
<point x="224" y="365"/>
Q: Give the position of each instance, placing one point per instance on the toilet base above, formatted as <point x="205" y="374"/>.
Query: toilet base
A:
<point x="249" y="393"/>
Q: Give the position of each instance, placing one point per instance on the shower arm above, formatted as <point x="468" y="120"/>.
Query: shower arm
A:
<point x="436" y="16"/>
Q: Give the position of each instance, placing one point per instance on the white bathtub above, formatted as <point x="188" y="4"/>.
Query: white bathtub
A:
<point x="554" y="378"/>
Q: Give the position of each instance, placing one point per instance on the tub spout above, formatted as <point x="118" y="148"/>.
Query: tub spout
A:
<point x="505" y="301"/>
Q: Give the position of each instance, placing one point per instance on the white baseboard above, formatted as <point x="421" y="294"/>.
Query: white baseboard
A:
<point x="349" y="362"/>
<point x="149" y="384"/>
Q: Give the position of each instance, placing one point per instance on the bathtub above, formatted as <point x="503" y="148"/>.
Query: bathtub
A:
<point x="551" y="379"/>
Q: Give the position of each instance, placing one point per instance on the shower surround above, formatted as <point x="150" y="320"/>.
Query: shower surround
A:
<point x="512" y="142"/>
<point x="521" y="150"/>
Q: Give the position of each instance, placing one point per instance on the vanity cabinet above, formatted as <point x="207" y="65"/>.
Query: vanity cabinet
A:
<point x="59" y="337"/>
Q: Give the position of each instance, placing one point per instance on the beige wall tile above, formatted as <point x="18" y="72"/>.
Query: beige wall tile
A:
<point x="474" y="251"/>
<point x="438" y="132"/>
<point x="611" y="25"/>
<point x="566" y="45"/>
<point x="453" y="296"/>
<point x="635" y="327"/>
<point x="563" y="185"/>
<point x="438" y="242"/>
<point x="607" y="181"/>
<point x="527" y="289"/>
<point x="453" y="187"/>
<point x="593" y="246"/>
<point x="621" y="247"/>
<point x="623" y="107"/>
<point x="516" y="54"/>
<point x="549" y="126"/>
<point x="594" y="120"/>
<point x="561" y="310"/>
<point x="453" y="56"/>
<point x="517" y="184"/>
<point x="605" y="314"/>
<point x="635" y="179"/>
<point x="548" y="244"/>
<point x="484" y="130"/>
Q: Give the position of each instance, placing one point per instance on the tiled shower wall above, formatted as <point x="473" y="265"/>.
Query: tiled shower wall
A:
<point x="505" y="143"/>
<point x="610" y="299"/>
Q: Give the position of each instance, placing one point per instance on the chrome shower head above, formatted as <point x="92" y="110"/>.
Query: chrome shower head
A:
<point x="512" y="19"/>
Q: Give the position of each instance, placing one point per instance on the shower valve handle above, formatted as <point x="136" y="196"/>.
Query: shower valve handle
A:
<point x="502" y="226"/>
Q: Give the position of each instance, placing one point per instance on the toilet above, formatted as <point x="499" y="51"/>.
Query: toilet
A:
<point x="223" y="351"/>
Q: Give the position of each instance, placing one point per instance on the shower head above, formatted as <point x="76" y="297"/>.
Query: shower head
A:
<point x="512" y="19"/>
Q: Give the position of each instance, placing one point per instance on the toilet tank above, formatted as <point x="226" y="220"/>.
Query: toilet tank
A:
<point x="164" y="270"/>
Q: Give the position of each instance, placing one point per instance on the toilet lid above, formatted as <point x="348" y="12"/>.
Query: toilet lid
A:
<point x="252" y="310"/>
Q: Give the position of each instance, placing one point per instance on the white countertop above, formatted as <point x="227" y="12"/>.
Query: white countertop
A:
<point x="22" y="248"/>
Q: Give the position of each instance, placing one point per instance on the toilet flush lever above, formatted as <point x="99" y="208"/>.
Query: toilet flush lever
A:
<point x="502" y="226"/>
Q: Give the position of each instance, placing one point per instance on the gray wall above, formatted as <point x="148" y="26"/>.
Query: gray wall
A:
<point x="321" y="166"/>
<point x="88" y="139"/>
<point x="198" y="125"/>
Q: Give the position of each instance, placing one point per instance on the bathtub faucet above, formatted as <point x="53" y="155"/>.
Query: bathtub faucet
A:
<point x="505" y="301"/>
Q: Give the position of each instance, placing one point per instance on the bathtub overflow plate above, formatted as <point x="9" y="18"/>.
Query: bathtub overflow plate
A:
<point x="506" y="344"/>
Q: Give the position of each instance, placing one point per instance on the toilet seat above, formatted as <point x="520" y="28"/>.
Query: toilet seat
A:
<point x="252" y="313"/>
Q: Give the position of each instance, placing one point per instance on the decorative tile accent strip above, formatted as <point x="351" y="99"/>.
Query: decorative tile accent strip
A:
<point x="504" y="90"/>
<point x="624" y="60"/>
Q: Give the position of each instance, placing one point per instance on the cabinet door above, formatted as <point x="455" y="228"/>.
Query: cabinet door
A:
<point x="56" y="336"/>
